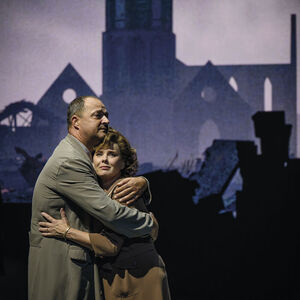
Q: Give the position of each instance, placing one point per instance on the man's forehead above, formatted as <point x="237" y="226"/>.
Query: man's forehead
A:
<point x="95" y="104"/>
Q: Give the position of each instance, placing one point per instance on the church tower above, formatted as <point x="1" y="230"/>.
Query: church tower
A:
<point x="138" y="47"/>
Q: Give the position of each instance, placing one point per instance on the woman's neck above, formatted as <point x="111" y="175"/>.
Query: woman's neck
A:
<point x="107" y="183"/>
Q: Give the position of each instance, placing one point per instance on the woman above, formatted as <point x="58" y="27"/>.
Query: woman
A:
<point x="128" y="267"/>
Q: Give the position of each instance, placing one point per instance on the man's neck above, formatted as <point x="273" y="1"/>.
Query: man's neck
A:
<point x="82" y="140"/>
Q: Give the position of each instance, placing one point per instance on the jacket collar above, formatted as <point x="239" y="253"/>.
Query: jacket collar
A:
<point x="78" y="145"/>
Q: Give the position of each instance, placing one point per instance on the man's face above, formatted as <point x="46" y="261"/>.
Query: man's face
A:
<point x="93" y="123"/>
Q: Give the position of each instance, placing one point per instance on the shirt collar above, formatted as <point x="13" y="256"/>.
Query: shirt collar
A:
<point x="86" y="150"/>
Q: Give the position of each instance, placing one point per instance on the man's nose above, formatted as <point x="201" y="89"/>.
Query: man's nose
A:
<point x="105" y="120"/>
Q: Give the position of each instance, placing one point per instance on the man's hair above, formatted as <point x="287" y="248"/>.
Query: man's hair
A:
<point x="128" y="153"/>
<point x="76" y="107"/>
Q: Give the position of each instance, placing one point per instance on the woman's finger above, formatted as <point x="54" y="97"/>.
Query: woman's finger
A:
<point x="48" y="217"/>
<point x="64" y="216"/>
<point x="63" y="213"/>
<point x="44" y="229"/>
<point x="44" y="224"/>
<point x="47" y="234"/>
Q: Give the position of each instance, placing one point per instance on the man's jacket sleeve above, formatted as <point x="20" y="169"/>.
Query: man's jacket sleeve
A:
<point x="76" y="182"/>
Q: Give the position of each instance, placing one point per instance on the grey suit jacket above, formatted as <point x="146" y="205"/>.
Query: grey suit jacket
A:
<point x="58" y="269"/>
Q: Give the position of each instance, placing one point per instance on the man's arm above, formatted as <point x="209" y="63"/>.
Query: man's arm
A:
<point x="130" y="189"/>
<point x="76" y="182"/>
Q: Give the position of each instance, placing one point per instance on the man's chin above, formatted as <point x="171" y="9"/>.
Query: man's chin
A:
<point x="100" y="137"/>
<point x="102" y="134"/>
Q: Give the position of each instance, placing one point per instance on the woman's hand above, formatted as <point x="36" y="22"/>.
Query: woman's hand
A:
<point x="54" y="227"/>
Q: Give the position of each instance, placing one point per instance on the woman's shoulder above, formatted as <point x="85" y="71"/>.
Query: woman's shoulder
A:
<point x="111" y="190"/>
<point x="140" y="205"/>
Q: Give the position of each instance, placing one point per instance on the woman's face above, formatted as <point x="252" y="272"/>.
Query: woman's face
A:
<point x="108" y="163"/>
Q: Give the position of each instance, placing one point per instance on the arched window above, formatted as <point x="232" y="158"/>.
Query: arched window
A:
<point x="156" y="13"/>
<point x="209" y="94"/>
<point x="158" y="62"/>
<point x="117" y="74"/>
<point x="137" y="63"/>
<point x="120" y="14"/>
<point x="233" y="83"/>
<point x="268" y="95"/>
<point x="209" y="131"/>
<point x="142" y="18"/>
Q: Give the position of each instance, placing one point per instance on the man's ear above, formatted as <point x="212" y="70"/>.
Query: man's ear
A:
<point x="75" y="122"/>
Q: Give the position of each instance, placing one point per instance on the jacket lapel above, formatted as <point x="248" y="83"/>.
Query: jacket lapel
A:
<point x="76" y="145"/>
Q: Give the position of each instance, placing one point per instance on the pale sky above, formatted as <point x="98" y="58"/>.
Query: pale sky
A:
<point x="39" y="38"/>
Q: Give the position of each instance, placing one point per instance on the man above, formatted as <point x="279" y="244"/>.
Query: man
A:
<point x="59" y="269"/>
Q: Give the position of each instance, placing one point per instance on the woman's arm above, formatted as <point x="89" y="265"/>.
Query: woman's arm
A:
<point x="102" y="245"/>
<point x="108" y="243"/>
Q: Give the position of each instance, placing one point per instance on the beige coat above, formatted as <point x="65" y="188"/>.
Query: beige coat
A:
<point x="60" y="270"/>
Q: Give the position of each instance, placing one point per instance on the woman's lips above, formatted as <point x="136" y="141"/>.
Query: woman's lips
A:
<point x="104" y="168"/>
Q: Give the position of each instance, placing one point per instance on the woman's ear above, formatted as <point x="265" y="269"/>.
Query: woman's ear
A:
<point x="123" y="165"/>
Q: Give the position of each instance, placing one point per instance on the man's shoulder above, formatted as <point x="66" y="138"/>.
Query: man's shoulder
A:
<point x="65" y="152"/>
<point x="68" y="148"/>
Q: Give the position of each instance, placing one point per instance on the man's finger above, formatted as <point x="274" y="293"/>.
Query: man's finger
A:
<point x="123" y="181"/>
<point x="48" y="217"/>
<point x="122" y="188"/>
<point x="123" y="193"/>
<point x="127" y="198"/>
<point x="132" y="200"/>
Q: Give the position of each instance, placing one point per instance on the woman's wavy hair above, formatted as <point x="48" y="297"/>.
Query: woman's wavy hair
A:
<point x="128" y="153"/>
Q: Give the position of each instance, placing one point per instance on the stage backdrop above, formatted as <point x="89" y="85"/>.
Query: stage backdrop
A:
<point x="174" y="75"/>
<point x="207" y="93"/>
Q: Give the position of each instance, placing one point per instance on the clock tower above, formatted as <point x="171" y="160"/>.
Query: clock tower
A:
<point x="138" y="47"/>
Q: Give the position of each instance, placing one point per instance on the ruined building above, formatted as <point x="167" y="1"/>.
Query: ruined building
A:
<point x="169" y="111"/>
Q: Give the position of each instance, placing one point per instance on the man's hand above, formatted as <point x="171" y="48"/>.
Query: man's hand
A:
<point x="130" y="189"/>
<point x="154" y="232"/>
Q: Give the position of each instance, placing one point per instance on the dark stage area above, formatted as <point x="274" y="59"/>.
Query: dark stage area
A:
<point x="212" y="251"/>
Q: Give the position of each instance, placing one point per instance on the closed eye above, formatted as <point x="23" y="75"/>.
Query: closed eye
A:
<point x="113" y="154"/>
<point x="99" y="114"/>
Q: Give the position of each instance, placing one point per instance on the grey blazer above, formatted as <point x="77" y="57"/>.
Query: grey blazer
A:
<point x="59" y="269"/>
